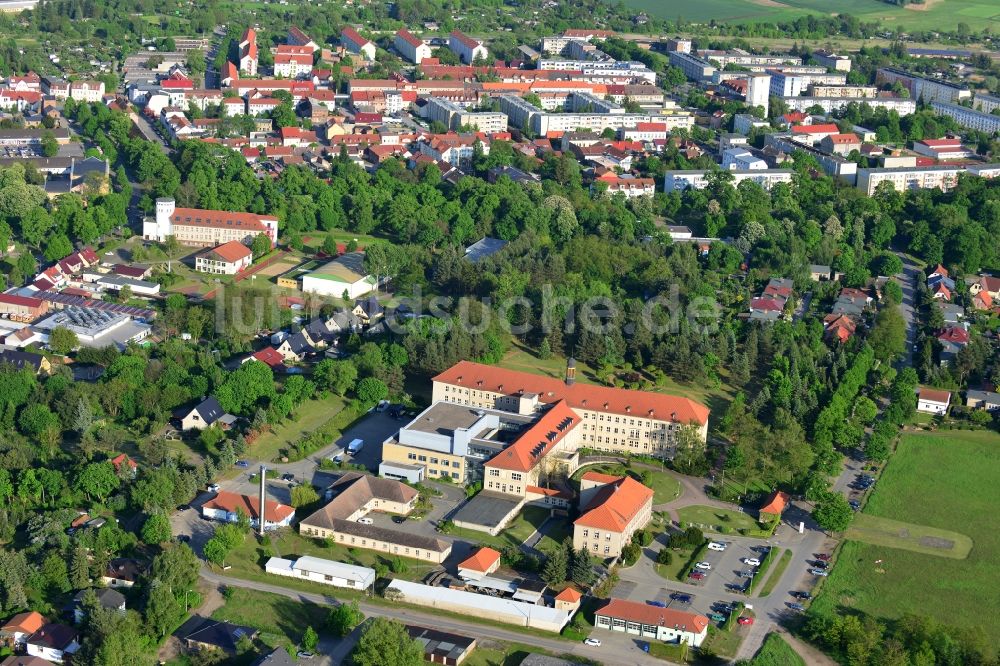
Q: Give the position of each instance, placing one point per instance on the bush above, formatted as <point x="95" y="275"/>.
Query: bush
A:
<point x="665" y="557"/>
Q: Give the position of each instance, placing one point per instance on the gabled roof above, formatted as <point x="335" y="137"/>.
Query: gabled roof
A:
<point x="570" y="594"/>
<point x="408" y="37"/>
<point x="615" y="505"/>
<point x="24" y="623"/>
<point x="954" y="334"/>
<point x="298" y="343"/>
<point x="270" y="356"/>
<point x="122" y="458"/>
<point x="538" y="440"/>
<point x="222" y="635"/>
<point x="21" y="359"/>
<point x="828" y="128"/>
<point x="54" y="636"/>
<point x="230" y="252"/>
<point x="482" y="560"/>
<point x="933" y="395"/>
<point x="209" y="410"/>
<point x="354" y="490"/>
<point x="654" y="615"/>
<point x="776" y="503"/>
<point x="578" y="395"/>
<point x="274" y="512"/>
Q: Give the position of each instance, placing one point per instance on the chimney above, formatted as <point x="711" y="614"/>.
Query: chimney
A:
<point x="260" y="509"/>
<point x="570" y="371"/>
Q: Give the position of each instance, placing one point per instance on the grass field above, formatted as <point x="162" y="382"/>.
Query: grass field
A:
<point x="309" y="417"/>
<point x="934" y="14"/>
<point x="530" y="518"/>
<point x="776" y="573"/>
<point x="713" y="518"/>
<point x="776" y="652"/>
<point x="907" y="536"/>
<point x="946" y="480"/>
<point x="283" y="618"/>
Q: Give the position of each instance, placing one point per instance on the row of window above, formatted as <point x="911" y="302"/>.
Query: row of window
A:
<point x="595" y="547"/>
<point x="375" y="545"/>
<point x="434" y="461"/>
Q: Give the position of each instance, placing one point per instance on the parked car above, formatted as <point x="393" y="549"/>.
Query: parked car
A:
<point x="382" y="405"/>
<point x="287" y="477"/>
<point x="751" y="561"/>
<point x="820" y="564"/>
<point x="242" y="463"/>
<point x="399" y="520"/>
<point x="302" y="654"/>
<point x="697" y="575"/>
<point x="681" y="598"/>
<point x="366" y="521"/>
<point x="715" y="545"/>
<point x="716" y="617"/>
<point x="823" y="556"/>
<point x="802" y="595"/>
<point x="745" y="621"/>
<point x="796" y="607"/>
<point x="819" y="572"/>
<point x="704" y="566"/>
<point x="746" y="573"/>
<point x="213" y="488"/>
<point x="592" y="642"/>
<point x="658" y="604"/>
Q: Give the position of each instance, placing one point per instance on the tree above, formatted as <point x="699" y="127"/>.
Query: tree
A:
<point x="370" y="390"/>
<point x="582" y="571"/>
<point x="385" y="642"/>
<point x="156" y="529"/>
<point x="343" y="618"/>
<point x="97" y="480"/>
<point x="55" y="573"/>
<point x="260" y="246"/>
<point x="304" y="495"/>
<point x="216" y="551"/>
<point x="50" y="147"/>
<point x="833" y="513"/>
<point x="335" y="375"/>
<point x="664" y="556"/>
<point x="62" y="340"/>
<point x="556" y="567"/>
<point x="79" y="569"/>
<point x="888" y="336"/>
<point x="57" y="247"/>
<point x="309" y="640"/>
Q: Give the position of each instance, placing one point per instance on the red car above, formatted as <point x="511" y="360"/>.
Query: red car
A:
<point x="823" y="556"/>
<point x="697" y="575"/>
<point x="745" y="620"/>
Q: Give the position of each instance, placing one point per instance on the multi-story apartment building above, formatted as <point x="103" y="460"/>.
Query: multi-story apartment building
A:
<point x="466" y="48"/>
<point x="969" y="118"/>
<point x="694" y="68"/>
<point x="785" y="84"/>
<point x="293" y="61"/>
<point x="352" y="40"/>
<point x="193" y="226"/>
<point x="454" y="116"/>
<point x="248" y="52"/>
<point x="986" y="103"/>
<point x="410" y="47"/>
<point x="87" y="91"/>
<point x="743" y="58"/>
<point x="822" y="90"/>
<point x="741" y="159"/>
<point x="829" y="104"/>
<point x="296" y="37"/>
<point x="921" y="88"/>
<point x="699" y="179"/>
<point x="840" y="63"/>
<point x="944" y="177"/>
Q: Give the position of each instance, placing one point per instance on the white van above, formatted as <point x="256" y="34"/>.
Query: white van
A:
<point x="355" y="446"/>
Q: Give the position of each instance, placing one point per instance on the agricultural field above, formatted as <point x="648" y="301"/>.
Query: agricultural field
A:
<point x="945" y="480"/>
<point x="933" y="14"/>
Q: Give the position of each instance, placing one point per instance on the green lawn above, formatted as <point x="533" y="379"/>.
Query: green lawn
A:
<point x="247" y="560"/>
<point x="776" y="573"/>
<point x="283" y="618"/>
<point x="933" y="14"/>
<point x="724" y="521"/>
<point x="526" y="522"/>
<point x="880" y="531"/>
<point x="946" y="480"/>
<point x="308" y="417"/>
<point x="776" y="652"/>
<point x="724" y="643"/>
<point x="665" y="486"/>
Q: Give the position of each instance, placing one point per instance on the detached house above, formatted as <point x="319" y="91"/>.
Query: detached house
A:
<point x="204" y="414"/>
<point x="226" y="507"/>
<point x="952" y="339"/>
<point x="18" y="628"/>
<point x="296" y="347"/>
<point x="931" y="401"/>
<point x="53" y="642"/>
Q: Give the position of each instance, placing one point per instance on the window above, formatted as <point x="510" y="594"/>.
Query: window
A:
<point x="454" y="475"/>
<point x="411" y="456"/>
<point x="327" y="577"/>
<point x="456" y="464"/>
<point x="303" y="572"/>
<point x="585" y="533"/>
<point x="422" y="458"/>
<point x="494" y="472"/>
<point x="607" y="549"/>
<point x="515" y="476"/>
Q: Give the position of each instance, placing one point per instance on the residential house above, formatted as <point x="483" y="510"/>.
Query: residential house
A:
<point x="122" y="572"/>
<point x="268" y="356"/>
<point x="368" y="310"/>
<point x="226" y="507"/>
<point x="107" y="599"/>
<point x="852" y="302"/>
<point x="293" y="61"/>
<point x="123" y="459"/>
<point x="770" y="305"/>
<point x="612" y="510"/>
<point x="297" y="37"/>
<point x="840" y="144"/>
<point x="987" y="400"/>
<point x="203" y="415"/>
<point x="819" y="272"/>
<point x="248" y="53"/>
<point x="952" y="339"/>
<point x="226" y="259"/>
<point x="201" y="633"/>
<point x="481" y="563"/>
<point x="951" y="314"/>
<point x="53" y="642"/>
<point x="17" y="629"/>
<point x="23" y="660"/>
<point x="664" y="624"/>
<point x="986" y="284"/>
<point x="932" y="401"/>
<point x="466" y="48"/>
<point x="25" y="360"/>
<point x="839" y="327"/>
<point x="296" y="347"/>
<point x="410" y="47"/>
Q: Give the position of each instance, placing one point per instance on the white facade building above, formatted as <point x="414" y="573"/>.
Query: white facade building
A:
<point x="740" y="159"/>
<point x="466" y="48"/>
<point x="698" y="179"/>
<point x="322" y="571"/>
<point x="410" y="47"/>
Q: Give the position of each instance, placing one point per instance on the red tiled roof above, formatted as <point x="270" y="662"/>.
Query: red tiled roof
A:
<point x="538" y="440"/>
<point x="120" y="458"/>
<point x="408" y="37"/>
<point x="776" y="503"/>
<point x="570" y="594"/>
<point x="550" y="492"/>
<point x="230" y="502"/>
<point x="651" y="127"/>
<point x="270" y="356"/>
<point x="219" y="218"/>
<point x="469" y="42"/>
<point x="231" y="252"/>
<point x="354" y="36"/>
<point x="25" y="623"/>
<point x="941" y="143"/>
<point x="828" y="128"/>
<point x="583" y="396"/>
<point x="654" y="615"/>
<point x="616" y="504"/>
<point x="844" y="138"/>
<point x="24" y="301"/>
<point x="482" y="560"/>
<point x="599" y="478"/>
<point x="955" y="334"/>
<point x="933" y="395"/>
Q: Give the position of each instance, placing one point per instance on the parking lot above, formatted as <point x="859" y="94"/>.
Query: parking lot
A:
<point x="373" y="429"/>
<point x="728" y="565"/>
